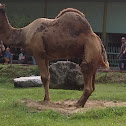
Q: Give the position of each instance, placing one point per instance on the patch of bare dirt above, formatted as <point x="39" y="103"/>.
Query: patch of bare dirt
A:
<point x="68" y="106"/>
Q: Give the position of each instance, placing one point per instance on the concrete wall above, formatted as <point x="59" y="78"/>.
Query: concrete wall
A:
<point x="116" y="17"/>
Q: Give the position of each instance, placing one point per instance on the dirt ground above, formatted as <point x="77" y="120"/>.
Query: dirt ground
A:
<point x="68" y="106"/>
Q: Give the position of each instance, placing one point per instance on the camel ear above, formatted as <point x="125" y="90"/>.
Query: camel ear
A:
<point x="3" y="5"/>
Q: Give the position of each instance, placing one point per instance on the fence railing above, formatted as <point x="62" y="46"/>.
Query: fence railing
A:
<point x="112" y="53"/>
<point x="14" y="59"/>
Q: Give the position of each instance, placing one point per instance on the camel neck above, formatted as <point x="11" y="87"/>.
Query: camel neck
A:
<point x="9" y="35"/>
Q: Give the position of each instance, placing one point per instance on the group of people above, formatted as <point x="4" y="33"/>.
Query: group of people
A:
<point x="122" y="54"/>
<point x="5" y="55"/>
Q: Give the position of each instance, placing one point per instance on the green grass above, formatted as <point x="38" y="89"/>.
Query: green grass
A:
<point x="12" y="113"/>
<point x="114" y="92"/>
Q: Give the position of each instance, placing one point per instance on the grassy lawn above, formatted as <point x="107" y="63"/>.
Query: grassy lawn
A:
<point x="14" y="114"/>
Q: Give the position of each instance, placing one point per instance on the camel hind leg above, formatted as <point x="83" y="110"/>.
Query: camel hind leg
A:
<point x="88" y="67"/>
<point x="89" y="77"/>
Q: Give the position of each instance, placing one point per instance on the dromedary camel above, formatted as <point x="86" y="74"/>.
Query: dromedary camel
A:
<point x="69" y="35"/>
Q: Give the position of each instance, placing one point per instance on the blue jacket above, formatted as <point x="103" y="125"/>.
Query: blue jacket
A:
<point x="7" y="55"/>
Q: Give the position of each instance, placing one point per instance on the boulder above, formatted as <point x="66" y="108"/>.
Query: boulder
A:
<point x="32" y="81"/>
<point x="66" y="75"/>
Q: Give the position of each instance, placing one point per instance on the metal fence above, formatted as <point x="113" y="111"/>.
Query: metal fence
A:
<point x="112" y="53"/>
<point x="15" y="60"/>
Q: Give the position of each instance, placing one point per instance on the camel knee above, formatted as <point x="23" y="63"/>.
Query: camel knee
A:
<point x="45" y="80"/>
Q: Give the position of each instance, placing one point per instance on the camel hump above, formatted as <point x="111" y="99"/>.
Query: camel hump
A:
<point x="69" y="10"/>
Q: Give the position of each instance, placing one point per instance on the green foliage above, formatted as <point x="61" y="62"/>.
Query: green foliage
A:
<point x="20" y="21"/>
<point x="111" y="77"/>
<point x="13" y="71"/>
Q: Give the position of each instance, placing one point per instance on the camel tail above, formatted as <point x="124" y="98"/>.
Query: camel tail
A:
<point x="104" y="60"/>
<point x="70" y="10"/>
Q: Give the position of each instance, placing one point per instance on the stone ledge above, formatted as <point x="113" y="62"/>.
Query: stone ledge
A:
<point x="32" y="81"/>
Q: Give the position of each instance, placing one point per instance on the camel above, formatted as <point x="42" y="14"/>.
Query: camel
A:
<point x="69" y="35"/>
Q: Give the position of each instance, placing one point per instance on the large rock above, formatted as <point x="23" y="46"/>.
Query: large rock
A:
<point x="33" y="81"/>
<point x="66" y="75"/>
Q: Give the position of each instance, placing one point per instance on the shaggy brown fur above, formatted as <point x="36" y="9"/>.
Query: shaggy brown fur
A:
<point x="69" y="35"/>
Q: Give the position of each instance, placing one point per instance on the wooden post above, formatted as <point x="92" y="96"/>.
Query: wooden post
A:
<point x="45" y="8"/>
<point x="104" y="23"/>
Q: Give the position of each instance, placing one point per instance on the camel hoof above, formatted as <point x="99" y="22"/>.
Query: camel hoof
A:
<point x="46" y="100"/>
<point x="79" y="105"/>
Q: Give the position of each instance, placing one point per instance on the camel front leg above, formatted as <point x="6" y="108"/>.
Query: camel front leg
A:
<point x="43" y="66"/>
<point x="89" y="77"/>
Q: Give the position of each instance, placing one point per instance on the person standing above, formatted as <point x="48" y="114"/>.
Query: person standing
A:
<point x="21" y="57"/>
<point x="7" y="55"/>
<point x="122" y="54"/>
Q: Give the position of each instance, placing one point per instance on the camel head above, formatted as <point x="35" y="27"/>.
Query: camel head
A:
<point x="2" y="10"/>
<point x="2" y="6"/>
